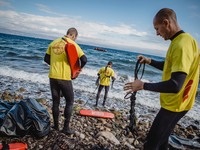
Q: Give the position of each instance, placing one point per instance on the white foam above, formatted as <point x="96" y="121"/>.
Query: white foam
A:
<point x="90" y="72"/>
<point x="143" y="97"/>
<point x="27" y="76"/>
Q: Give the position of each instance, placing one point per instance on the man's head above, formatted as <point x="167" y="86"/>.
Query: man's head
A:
<point x="165" y="23"/>
<point x="72" y="33"/>
<point x="109" y="64"/>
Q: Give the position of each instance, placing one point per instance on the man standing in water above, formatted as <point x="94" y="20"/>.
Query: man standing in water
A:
<point x="60" y="76"/>
<point x="179" y="79"/>
<point x="104" y="75"/>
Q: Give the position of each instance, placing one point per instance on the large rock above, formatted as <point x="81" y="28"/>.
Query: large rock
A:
<point x="109" y="136"/>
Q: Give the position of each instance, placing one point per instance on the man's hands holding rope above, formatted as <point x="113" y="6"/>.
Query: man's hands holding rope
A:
<point x="144" y="60"/>
<point x="137" y="84"/>
<point x="134" y="86"/>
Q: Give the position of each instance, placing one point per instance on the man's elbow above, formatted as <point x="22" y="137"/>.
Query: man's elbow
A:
<point x="47" y="59"/>
<point x="83" y="61"/>
<point x="176" y="87"/>
<point x="113" y="78"/>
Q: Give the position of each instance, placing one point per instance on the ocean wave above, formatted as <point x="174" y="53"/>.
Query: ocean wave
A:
<point x="6" y="48"/>
<point x="10" y="54"/>
<point x="35" y="77"/>
<point x="42" y="49"/>
<point x="20" y="74"/>
<point x="86" y="83"/>
<point x="32" y="57"/>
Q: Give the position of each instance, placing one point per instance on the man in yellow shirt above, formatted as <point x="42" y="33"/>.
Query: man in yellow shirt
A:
<point x="60" y="76"/>
<point x="180" y="79"/>
<point x="104" y="74"/>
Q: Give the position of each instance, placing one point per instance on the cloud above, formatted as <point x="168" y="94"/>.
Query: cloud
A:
<point x="121" y="29"/>
<point x="121" y="35"/>
<point x="44" y="8"/>
<point x="5" y="4"/>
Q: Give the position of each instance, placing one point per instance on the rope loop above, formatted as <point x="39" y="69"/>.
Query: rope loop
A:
<point x="136" y="71"/>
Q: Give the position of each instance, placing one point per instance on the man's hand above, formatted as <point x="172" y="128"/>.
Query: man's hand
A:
<point x="134" y="86"/>
<point x="143" y="59"/>
<point x="97" y="81"/>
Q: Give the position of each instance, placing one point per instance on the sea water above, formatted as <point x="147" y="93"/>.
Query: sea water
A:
<point x="22" y="65"/>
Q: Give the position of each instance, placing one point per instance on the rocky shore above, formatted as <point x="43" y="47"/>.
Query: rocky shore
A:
<point x="96" y="133"/>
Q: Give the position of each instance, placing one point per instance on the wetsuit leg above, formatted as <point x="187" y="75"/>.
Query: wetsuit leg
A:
<point x="161" y="129"/>
<point x="106" y="94"/>
<point x="98" y="93"/>
<point x="55" y="92"/>
<point x="176" y="118"/>
<point x="68" y="93"/>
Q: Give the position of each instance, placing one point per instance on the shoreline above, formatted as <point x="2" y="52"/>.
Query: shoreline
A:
<point x="92" y="132"/>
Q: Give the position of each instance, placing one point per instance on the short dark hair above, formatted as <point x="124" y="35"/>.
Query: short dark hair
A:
<point x="165" y="13"/>
<point x="110" y="63"/>
<point x="72" y="31"/>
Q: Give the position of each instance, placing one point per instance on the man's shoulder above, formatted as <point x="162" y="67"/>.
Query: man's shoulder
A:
<point x="111" y="69"/>
<point x="102" y="68"/>
<point x="186" y="36"/>
<point x="56" y="40"/>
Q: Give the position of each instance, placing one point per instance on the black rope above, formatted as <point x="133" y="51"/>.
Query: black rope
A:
<point x="137" y="69"/>
<point x="132" y="96"/>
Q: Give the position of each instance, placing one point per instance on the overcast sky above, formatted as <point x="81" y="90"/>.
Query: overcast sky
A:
<point x="118" y="24"/>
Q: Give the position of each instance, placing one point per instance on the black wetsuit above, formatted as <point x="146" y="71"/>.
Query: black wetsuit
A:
<point x="99" y="92"/>
<point x="165" y="121"/>
<point x="66" y="87"/>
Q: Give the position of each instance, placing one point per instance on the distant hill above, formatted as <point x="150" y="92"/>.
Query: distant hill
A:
<point x="35" y="35"/>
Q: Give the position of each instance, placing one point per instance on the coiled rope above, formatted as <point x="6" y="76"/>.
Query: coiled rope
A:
<point x="132" y="96"/>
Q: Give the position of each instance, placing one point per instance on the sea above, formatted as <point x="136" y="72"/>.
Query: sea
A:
<point x="22" y="66"/>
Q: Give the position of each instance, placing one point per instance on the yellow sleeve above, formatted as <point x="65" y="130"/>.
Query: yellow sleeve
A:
<point x="79" y="50"/>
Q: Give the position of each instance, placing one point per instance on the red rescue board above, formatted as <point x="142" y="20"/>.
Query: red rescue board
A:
<point x="96" y="113"/>
<point x="73" y="59"/>
<point x="16" y="146"/>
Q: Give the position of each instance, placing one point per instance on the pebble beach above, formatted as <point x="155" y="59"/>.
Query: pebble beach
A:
<point x="90" y="133"/>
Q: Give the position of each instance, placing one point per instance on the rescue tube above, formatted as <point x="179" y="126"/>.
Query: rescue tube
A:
<point x="73" y="60"/>
<point x="96" y="113"/>
<point x="14" y="146"/>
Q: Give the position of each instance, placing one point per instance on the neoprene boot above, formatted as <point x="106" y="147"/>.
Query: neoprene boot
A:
<point x="66" y="130"/>
<point x="104" y="102"/>
<point x="96" y="103"/>
<point x="55" y="126"/>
